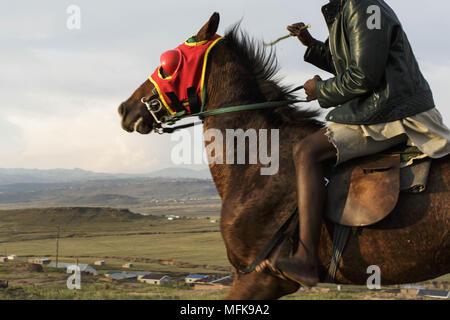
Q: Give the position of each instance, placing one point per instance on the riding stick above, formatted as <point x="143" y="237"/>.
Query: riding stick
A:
<point x="285" y="37"/>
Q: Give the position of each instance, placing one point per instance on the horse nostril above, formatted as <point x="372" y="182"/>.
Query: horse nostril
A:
<point x="122" y="109"/>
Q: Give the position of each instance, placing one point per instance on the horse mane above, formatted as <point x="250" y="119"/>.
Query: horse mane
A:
<point x="263" y="64"/>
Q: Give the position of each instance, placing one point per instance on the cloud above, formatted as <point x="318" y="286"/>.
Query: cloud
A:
<point x="60" y="89"/>
<point x="11" y="141"/>
<point x="438" y="76"/>
<point x="92" y="140"/>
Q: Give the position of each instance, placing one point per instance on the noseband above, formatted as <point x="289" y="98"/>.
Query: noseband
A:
<point x="154" y="105"/>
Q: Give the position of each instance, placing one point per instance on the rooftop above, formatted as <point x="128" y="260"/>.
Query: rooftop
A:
<point x="113" y="271"/>
<point x="83" y="267"/>
<point x="435" y="293"/>
<point x="197" y="276"/>
<point x="154" y="276"/>
<point x="121" y="275"/>
<point x="118" y="275"/>
<point x="228" y="280"/>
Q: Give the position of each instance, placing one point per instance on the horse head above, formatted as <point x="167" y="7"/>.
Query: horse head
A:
<point x="134" y="112"/>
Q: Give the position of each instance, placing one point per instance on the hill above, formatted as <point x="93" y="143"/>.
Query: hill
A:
<point x="18" y="175"/>
<point x="133" y="192"/>
<point x="181" y="173"/>
<point x="66" y="216"/>
<point x="107" y="200"/>
<point x="36" y="176"/>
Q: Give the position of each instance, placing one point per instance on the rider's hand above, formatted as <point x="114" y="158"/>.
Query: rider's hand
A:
<point x="310" y="88"/>
<point x="304" y="36"/>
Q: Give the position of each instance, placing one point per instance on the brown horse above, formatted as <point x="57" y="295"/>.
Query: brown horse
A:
<point x="412" y="244"/>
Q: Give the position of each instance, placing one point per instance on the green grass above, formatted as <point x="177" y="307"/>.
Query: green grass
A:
<point x="194" y="241"/>
<point x="98" y="290"/>
<point x="51" y="285"/>
<point x="117" y="236"/>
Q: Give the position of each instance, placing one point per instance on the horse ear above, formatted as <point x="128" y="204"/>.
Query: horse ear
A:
<point x="209" y="29"/>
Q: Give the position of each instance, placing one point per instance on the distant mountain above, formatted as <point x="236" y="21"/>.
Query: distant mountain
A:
<point x="181" y="173"/>
<point x="25" y="176"/>
<point x="12" y="176"/>
<point x="125" y="192"/>
<point x="106" y="200"/>
<point x="68" y="216"/>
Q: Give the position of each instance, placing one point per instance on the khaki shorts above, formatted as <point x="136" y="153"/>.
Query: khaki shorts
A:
<point x="350" y="142"/>
<point x="426" y="131"/>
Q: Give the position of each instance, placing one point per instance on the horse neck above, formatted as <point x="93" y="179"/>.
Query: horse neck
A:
<point x="230" y="83"/>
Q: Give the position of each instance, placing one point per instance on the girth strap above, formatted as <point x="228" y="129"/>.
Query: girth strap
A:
<point x="340" y="237"/>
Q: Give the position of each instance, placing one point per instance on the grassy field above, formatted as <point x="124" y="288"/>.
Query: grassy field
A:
<point x="137" y="194"/>
<point x="114" y="234"/>
<point x="51" y="284"/>
<point x="151" y="243"/>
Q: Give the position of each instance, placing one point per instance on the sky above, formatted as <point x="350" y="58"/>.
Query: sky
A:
<point x="60" y="88"/>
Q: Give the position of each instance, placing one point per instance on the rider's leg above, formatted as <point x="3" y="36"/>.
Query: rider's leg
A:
<point x="308" y="157"/>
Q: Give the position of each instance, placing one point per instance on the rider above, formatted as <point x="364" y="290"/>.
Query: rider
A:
<point x="381" y="100"/>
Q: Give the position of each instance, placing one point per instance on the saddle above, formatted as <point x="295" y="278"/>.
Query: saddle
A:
<point x="360" y="193"/>
<point x="364" y="191"/>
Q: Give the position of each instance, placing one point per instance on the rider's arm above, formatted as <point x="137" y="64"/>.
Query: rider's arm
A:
<point x="368" y="55"/>
<point x="319" y="55"/>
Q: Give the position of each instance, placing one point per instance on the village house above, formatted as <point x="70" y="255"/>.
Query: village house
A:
<point x="413" y="290"/>
<point x="441" y="294"/>
<point x="83" y="267"/>
<point x="194" y="277"/>
<point x="141" y="274"/>
<point x="3" y="259"/>
<point x="99" y="263"/>
<point x="114" y="274"/>
<point x="127" y="266"/>
<point x="120" y="275"/>
<point x="156" y="279"/>
<point x="40" y="261"/>
<point x="217" y="284"/>
<point x="12" y="257"/>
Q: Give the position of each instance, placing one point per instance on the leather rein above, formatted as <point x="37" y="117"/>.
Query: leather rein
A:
<point x="154" y="106"/>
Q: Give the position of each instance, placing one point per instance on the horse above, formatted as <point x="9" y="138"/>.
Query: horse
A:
<point x="410" y="245"/>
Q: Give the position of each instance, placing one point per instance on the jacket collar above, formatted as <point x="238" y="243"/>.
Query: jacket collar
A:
<point x="331" y="10"/>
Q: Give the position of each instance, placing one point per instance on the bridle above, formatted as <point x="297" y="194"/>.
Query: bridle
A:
<point x="193" y="103"/>
<point x="154" y="106"/>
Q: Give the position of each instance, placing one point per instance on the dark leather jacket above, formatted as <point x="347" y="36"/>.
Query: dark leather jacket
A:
<point x="377" y="78"/>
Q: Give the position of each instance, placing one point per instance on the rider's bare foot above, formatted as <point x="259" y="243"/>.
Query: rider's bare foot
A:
<point x="297" y="270"/>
